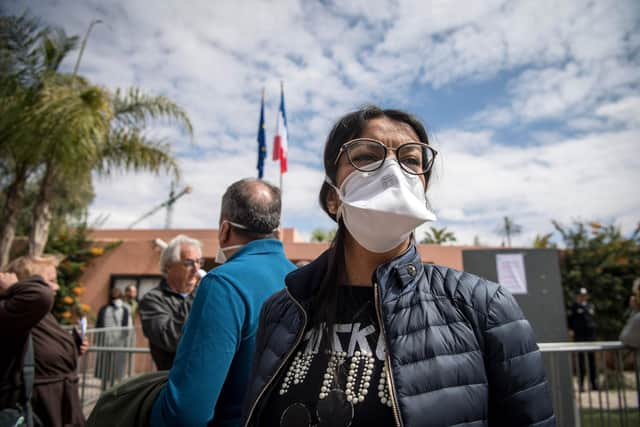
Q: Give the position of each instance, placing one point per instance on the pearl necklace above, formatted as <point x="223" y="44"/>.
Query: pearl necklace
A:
<point x="297" y="371"/>
<point x="383" y="387"/>
<point x="357" y="386"/>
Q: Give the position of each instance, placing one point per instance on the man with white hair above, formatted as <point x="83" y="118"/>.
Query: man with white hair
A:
<point x="165" y="308"/>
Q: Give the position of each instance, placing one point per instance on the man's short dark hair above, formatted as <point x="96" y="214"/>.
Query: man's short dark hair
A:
<point x="253" y="203"/>
<point x="116" y="293"/>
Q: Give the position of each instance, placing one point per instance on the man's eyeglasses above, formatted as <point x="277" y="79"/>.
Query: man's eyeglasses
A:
<point x="191" y="263"/>
<point x="368" y="155"/>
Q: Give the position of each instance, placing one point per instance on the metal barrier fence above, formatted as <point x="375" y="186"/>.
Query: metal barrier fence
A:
<point x="613" y="402"/>
<point x="112" y="357"/>
<point x="593" y="383"/>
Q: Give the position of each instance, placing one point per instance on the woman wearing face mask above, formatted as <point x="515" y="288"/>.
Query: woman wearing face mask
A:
<point x="368" y="335"/>
<point x="27" y="292"/>
<point x="110" y="366"/>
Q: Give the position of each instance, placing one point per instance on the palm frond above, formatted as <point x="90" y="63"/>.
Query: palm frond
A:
<point x="55" y="47"/>
<point x="131" y="150"/>
<point x="136" y="109"/>
<point x="20" y="40"/>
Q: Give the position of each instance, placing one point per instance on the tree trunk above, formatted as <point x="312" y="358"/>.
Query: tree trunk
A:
<point x="13" y="204"/>
<point x="42" y="214"/>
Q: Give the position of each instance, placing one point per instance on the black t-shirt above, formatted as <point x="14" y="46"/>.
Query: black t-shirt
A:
<point x="341" y="387"/>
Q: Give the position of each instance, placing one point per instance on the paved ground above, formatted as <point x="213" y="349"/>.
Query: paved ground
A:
<point x="611" y="399"/>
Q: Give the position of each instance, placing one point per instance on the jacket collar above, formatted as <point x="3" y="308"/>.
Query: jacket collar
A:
<point x="166" y="289"/>
<point x="261" y="246"/>
<point x="404" y="270"/>
<point x="303" y="282"/>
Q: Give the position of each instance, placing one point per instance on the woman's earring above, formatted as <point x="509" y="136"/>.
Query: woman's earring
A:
<point x="333" y="203"/>
<point x="333" y="208"/>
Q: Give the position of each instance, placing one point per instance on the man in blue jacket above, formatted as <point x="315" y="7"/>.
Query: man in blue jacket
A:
<point x="209" y="377"/>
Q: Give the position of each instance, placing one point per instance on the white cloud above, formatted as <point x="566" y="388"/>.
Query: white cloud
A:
<point x="209" y="176"/>
<point x="590" y="177"/>
<point x="573" y="63"/>
<point x="625" y="111"/>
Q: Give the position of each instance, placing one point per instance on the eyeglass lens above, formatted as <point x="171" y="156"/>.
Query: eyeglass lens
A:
<point x="367" y="156"/>
<point x="191" y="262"/>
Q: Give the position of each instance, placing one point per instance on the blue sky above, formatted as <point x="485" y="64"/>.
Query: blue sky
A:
<point x="534" y="106"/>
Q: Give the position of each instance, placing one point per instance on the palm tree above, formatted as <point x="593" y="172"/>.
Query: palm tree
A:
<point x="120" y="145"/>
<point x="508" y="229"/>
<point x="58" y="128"/>
<point x="438" y="236"/>
<point x="71" y="148"/>
<point x="22" y="110"/>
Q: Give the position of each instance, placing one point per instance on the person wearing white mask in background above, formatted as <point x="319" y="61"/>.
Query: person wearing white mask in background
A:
<point x="368" y="335"/>
<point x="207" y="382"/>
<point x="117" y="318"/>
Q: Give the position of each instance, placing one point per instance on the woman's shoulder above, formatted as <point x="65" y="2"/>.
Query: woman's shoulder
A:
<point x="278" y="302"/>
<point x="461" y="286"/>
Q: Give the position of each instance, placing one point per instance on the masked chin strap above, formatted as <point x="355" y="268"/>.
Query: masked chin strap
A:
<point x="221" y="257"/>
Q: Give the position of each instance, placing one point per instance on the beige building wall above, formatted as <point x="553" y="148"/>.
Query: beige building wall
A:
<point x="137" y="255"/>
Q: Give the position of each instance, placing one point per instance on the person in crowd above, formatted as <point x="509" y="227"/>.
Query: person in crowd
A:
<point x="131" y="299"/>
<point x="630" y="335"/>
<point x="27" y="292"/>
<point x="367" y="334"/>
<point x="208" y="380"/>
<point x="165" y="308"/>
<point x="582" y="327"/>
<point x="117" y="322"/>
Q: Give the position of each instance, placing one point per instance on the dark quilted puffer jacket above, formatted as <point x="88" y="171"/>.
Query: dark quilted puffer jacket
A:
<point x="459" y="349"/>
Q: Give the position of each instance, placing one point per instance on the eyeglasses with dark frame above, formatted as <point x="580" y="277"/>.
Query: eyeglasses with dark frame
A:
<point x="190" y="263"/>
<point x="368" y="155"/>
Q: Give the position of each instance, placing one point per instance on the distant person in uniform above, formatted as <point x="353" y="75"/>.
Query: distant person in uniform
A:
<point x="630" y="335"/>
<point x="582" y="326"/>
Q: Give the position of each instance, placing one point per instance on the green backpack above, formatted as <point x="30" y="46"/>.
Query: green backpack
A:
<point x="128" y="404"/>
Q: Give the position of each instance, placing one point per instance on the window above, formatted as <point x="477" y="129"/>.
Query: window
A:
<point x="143" y="282"/>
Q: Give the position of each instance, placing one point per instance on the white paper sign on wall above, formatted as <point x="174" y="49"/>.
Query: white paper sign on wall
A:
<point x="511" y="272"/>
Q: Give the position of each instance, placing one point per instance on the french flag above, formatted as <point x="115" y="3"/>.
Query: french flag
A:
<point x="280" y="143"/>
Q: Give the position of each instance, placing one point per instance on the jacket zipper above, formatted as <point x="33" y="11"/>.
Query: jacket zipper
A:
<point x="387" y="365"/>
<point x="284" y="361"/>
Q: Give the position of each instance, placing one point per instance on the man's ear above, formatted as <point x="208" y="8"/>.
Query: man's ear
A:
<point x="223" y="233"/>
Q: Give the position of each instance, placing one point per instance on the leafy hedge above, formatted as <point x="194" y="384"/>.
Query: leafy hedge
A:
<point x="598" y="257"/>
<point x="79" y="252"/>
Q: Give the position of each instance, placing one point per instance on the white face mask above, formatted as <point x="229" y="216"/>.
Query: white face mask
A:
<point x="117" y="303"/>
<point x="382" y="208"/>
<point x="221" y="258"/>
